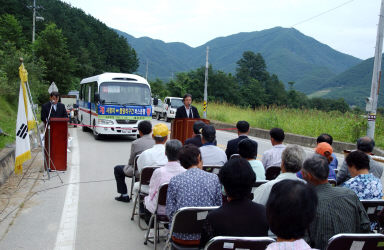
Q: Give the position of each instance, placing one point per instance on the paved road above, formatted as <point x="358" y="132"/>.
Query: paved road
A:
<point x="91" y="218"/>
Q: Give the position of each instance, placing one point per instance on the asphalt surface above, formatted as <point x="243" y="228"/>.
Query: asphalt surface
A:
<point x="81" y="212"/>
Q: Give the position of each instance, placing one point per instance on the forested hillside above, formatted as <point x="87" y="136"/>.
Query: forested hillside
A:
<point x="69" y="45"/>
<point x="288" y="53"/>
<point x="354" y="85"/>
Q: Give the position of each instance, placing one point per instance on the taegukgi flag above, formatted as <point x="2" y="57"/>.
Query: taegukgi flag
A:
<point x="23" y="148"/>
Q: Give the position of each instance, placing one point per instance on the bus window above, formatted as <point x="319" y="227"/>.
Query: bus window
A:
<point x="93" y="91"/>
<point x="86" y="91"/>
<point x="81" y="92"/>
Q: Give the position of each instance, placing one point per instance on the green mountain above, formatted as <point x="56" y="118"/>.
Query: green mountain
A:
<point x="288" y="53"/>
<point x="354" y="85"/>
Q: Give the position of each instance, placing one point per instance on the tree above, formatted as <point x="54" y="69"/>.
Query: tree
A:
<point x="52" y="48"/>
<point x="158" y="89"/>
<point x="11" y="31"/>
<point x="251" y="65"/>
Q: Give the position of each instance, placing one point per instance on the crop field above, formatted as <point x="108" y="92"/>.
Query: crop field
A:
<point x="345" y="127"/>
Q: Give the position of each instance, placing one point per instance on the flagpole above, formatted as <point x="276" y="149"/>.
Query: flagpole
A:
<point x="37" y="129"/>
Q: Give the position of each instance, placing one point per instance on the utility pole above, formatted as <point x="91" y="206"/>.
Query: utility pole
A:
<point x="376" y="76"/>
<point x="34" y="21"/>
<point x="146" y="71"/>
<point x="206" y="85"/>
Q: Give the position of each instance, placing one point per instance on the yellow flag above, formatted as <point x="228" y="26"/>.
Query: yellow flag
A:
<point x="23" y="73"/>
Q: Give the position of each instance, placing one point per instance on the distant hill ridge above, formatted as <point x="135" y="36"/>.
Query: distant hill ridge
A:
<point x="354" y="85"/>
<point x="290" y="54"/>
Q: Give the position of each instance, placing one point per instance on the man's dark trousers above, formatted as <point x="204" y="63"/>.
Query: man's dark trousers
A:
<point x="120" y="179"/>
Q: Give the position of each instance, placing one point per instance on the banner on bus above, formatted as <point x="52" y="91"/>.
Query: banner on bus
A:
<point x="127" y="112"/>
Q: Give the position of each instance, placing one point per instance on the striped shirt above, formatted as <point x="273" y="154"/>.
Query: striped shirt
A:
<point x="339" y="211"/>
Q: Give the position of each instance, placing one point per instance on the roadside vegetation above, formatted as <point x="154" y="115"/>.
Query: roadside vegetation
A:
<point x="345" y="127"/>
<point x="8" y="113"/>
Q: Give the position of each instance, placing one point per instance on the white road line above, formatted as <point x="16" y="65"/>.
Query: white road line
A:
<point x="66" y="236"/>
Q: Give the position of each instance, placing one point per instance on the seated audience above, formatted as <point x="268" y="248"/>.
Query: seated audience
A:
<point x="155" y="156"/>
<point x="365" y="185"/>
<point x="339" y="209"/>
<point x="121" y="171"/>
<point x="163" y="175"/>
<point x="328" y="139"/>
<point x="239" y="216"/>
<point x="242" y="132"/>
<point x="324" y="149"/>
<point x="291" y="162"/>
<point x="211" y="154"/>
<point x="248" y="150"/>
<point x="196" y="137"/>
<point x="272" y="157"/>
<point x="291" y="208"/>
<point x="193" y="188"/>
<point x="365" y="144"/>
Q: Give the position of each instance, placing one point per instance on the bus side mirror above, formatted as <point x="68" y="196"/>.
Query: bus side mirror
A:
<point x="155" y="101"/>
<point x="97" y="97"/>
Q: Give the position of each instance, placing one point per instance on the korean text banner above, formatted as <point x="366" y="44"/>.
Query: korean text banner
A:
<point x="127" y="112"/>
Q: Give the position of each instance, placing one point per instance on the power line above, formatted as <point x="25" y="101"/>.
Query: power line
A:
<point x="322" y="13"/>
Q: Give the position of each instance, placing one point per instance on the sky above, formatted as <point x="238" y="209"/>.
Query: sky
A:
<point x="349" y="26"/>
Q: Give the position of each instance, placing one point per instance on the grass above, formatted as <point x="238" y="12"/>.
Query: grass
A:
<point x="8" y="116"/>
<point x="343" y="127"/>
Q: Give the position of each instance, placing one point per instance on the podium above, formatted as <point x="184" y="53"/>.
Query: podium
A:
<point x="56" y="140"/>
<point x="182" y="128"/>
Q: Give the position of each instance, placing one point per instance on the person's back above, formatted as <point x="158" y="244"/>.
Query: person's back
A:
<point x="192" y="188"/>
<point x="272" y="157"/>
<point x="196" y="137"/>
<point x="211" y="154"/>
<point x="366" y="145"/>
<point x="242" y="132"/>
<point x="247" y="149"/>
<point x="339" y="211"/>
<point x="365" y="185"/>
<point x="163" y="175"/>
<point x="239" y="216"/>
<point x="195" y="140"/>
<point x="291" y="162"/>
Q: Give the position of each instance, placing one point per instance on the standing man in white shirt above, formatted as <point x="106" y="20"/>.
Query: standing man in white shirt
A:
<point x="211" y="155"/>
<point x="272" y="157"/>
<point x="187" y="111"/>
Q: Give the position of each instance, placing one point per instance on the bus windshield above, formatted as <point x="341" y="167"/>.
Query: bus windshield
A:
<point x="121" y="93"/>
<point x="175" y="103"/>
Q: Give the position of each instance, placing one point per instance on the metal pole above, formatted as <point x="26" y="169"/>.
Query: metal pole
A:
<point x="376" y="76"/>
<point x="34" y="21"/>
<point x="205" y="86"/>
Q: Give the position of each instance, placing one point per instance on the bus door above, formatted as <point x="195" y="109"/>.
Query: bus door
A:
<point x="89" y="104"/>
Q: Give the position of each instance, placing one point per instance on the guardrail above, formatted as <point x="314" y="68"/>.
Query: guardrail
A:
<point x="301" y="140"/>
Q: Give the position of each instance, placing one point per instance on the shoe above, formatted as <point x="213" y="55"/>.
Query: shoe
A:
<point x="123" y="198"/>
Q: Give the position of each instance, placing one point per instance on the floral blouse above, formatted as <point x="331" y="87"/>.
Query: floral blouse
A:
<point x="366" y="186"/>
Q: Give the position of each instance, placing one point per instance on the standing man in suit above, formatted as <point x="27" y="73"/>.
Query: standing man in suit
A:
<point x="242" y="132"/>
<point x="53" y="108"/>
<point x="187" y="111"/>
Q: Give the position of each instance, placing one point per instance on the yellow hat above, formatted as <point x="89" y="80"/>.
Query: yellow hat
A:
<point x="160" y="130"/>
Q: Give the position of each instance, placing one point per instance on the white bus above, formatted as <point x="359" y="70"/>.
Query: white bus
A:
<point x="114" y="103"/>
